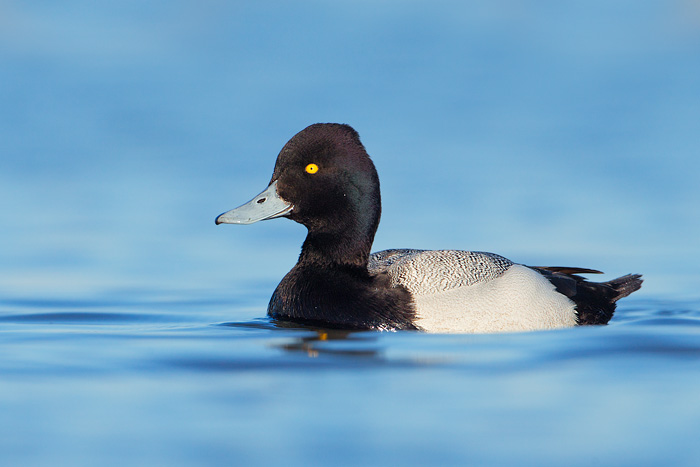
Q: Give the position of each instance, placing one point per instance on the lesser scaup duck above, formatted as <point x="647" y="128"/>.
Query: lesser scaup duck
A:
<point x="325" y="180"/>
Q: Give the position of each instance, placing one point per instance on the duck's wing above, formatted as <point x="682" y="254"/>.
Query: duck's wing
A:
<point x="425" y="272"/>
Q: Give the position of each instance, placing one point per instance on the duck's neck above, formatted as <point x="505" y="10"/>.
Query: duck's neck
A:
<point x="344" y="248"/>
<point x="345" y="241"/>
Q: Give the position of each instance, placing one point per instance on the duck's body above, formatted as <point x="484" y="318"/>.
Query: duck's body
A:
<point x="466" y="291"/>
<point x="325" y="180"/>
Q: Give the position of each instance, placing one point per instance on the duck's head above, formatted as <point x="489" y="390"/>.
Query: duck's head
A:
<point x="323" y="179"/>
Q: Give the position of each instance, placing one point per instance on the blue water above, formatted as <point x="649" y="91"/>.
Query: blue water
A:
<point x="133" y="330"/>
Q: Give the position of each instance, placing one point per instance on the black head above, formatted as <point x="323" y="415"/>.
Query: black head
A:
<point x="326" y="174"/>
<point x="325" y="180"/>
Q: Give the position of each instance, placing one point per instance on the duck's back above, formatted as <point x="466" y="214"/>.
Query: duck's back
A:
<point x="425" y="272"/>
<point x="465" y="291"/>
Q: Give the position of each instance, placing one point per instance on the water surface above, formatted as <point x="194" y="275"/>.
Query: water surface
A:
<point x="185" y="382"/>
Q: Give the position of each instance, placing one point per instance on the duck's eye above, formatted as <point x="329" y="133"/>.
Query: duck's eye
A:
<point x="311" y="168"/>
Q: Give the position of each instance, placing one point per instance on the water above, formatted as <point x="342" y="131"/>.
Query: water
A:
<point x="173" y="382"/>
<point x="132" y="328"/>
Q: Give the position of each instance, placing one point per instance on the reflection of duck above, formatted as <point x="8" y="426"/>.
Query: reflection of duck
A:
<point x="325" y="180"/>
<point x="312" y="345"/>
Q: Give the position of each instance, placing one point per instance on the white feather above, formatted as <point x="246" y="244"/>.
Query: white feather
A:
<point x="519" y="300"/>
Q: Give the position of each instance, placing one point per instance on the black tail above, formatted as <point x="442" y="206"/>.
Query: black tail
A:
<point x="595" y="301"/>
<point x="625" y="285"/>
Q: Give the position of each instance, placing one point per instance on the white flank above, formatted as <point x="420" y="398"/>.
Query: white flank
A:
<point x="519" y="300"/>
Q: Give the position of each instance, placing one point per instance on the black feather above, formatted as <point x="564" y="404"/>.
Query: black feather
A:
<point x="595" y="301"/>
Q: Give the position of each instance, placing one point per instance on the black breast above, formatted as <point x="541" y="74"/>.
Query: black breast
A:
<point x="342" y="297"/>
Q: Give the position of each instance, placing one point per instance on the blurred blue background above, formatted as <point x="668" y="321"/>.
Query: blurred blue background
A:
<point x="553" y="133"/>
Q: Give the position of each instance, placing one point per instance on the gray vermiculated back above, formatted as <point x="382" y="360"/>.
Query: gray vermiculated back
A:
<point x="433" y="271"/>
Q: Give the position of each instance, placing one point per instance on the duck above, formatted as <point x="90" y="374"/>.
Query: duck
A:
<point x="325" y="180"/>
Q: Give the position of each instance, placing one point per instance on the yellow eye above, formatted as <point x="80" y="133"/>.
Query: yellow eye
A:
<point x="311" y="168"/>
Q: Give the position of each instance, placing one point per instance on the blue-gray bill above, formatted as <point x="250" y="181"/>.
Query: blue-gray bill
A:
<point x="267" y="205"/>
